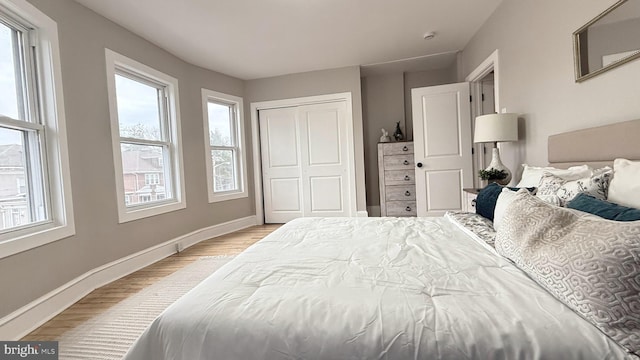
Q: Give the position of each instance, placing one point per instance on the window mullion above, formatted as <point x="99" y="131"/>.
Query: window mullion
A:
<point x="169" y="173"/>
<point x="232" y="125"/>
<point x="137" y="141"/>
<point x="220" y="147"/>
<point x="31" y="70"/>
<point x="19" y="62"/>
<point x="236" y="167"/>
<point x="161" y="113"/>
<point x="10" y="123"/>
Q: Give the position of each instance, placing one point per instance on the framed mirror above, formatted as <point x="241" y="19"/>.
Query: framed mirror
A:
<point x="608" y="41"/>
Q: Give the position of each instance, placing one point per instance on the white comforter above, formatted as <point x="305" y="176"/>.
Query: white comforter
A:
<point x="370" y="288"/>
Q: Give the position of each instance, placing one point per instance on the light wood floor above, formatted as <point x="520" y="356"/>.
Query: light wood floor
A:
<point x="103" y="298"/>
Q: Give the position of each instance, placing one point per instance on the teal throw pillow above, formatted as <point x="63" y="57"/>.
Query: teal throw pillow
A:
<point x="604" y="209"/>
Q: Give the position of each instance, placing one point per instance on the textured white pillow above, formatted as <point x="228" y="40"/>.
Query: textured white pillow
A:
<point x="551" y="199"/>
<point x="532" y="174"/>
<point x="625" y="185"/>
<point x="595" y="185"/>
<point x="504" y="199"/>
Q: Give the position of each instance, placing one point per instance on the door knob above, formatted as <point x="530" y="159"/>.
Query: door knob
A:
<point x="419" y="164"/>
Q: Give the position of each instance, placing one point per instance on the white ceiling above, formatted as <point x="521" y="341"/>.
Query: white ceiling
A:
<point x="252" y="39"/>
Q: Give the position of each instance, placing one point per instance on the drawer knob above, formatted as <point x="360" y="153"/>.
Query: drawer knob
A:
<point x="404" y="148"/>
<point x="408" y="208"/>
<point x="406" y="162"/>
<point x="407" y="193"/>
<point x="407" y="178"/>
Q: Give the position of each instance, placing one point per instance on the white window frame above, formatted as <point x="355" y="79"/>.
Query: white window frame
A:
<point x="241" y="165"/>
<point x="126" y="213"/>
<point x="59" y="224"/>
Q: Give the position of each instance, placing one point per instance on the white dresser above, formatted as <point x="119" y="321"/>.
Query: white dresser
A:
<point x="397" y="179"/>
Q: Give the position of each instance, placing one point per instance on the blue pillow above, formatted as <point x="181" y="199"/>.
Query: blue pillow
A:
<point x="488" y="197"/>
<point x="604" y="209"/>
<point x="486" y="200"/>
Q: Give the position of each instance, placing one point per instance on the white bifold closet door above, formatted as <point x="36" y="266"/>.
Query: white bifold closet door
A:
<point x="305" y="166"/>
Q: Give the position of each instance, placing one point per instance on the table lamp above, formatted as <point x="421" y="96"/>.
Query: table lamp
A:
<point x="497" y="128"/>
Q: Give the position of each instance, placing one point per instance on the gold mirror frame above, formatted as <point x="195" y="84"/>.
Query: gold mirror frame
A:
<point x="577" y="47"/>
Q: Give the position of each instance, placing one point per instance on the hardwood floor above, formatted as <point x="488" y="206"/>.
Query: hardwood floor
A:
<point x="105" y="297"/>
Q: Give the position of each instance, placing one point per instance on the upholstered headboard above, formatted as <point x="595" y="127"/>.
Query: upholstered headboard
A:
<point x="597" y="146"/>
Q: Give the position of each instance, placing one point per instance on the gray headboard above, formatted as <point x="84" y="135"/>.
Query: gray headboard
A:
<point x="597" y="146"/>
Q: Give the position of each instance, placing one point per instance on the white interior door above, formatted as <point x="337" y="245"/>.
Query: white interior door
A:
<point x="305" y="162"/>
<point x="442" y="145"/>
<point x="325" y="168"/>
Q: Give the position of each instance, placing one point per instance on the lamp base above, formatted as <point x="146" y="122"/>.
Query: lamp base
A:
<point x="497" y="164"/>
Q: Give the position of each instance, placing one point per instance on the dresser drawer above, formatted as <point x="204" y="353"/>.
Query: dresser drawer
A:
<point x="401" y="208"/>
<point x="400" y="192"/>
<point x="400" y="177"/>
<point x="397" y="148"/>
<point x="398" y="162"/>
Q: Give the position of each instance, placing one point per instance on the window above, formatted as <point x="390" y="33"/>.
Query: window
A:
<point x="225" y="155"/>
<point x="145" y="128"/>
<point x="35" y="195"/>
<point x="151" y="179"/>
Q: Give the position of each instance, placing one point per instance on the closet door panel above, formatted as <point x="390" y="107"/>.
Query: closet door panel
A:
<point x="324" y="161"/>
<point x="281" y="165"/>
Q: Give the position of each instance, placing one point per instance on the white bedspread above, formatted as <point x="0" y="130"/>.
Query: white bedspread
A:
<point x="370" y="288"/>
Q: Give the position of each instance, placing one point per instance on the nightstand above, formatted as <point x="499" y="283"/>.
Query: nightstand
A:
<point x="469" y="204"/>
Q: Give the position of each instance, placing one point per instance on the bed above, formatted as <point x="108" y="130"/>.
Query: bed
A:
<point x="381" y="288"/>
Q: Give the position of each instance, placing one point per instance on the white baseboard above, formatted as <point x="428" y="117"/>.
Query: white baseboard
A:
<point x="362" y="214"/>
<point x="29" y="317"/>
<point x="374" y="211"/>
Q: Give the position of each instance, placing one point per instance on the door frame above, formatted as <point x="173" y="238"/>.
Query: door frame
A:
<point x="307" y="100"/>
<point x="489" y="64"/>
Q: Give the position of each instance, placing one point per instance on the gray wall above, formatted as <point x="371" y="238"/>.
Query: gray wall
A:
<point x="537" y="74"/>
<point x="422" y="79"/>
<point x="383" y="106"/>
<point x="317" y="83"/>
<point x="386" y="99"/>
<point x="99" y="238"/>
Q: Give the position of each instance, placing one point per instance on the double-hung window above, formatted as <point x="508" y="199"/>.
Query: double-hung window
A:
<point x="226" y="164"/>
<point x="145" y="129"/>
<point x="35" y="194"/>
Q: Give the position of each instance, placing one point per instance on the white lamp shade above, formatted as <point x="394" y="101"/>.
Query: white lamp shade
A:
<point x="496" y="128"/>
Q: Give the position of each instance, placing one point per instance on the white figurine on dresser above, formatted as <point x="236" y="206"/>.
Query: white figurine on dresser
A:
<point x="385" y="136"/>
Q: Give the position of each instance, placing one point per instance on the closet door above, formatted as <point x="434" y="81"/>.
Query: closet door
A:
<point x="281" y="165"/>
<point x="305" y="162"/>
<point x="325" y="168"/>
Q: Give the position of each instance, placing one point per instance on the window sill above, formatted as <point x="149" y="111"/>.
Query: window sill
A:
<point x="213" y="197"/>
<point x="126" y="215"/>
<point x="32" y="237"/>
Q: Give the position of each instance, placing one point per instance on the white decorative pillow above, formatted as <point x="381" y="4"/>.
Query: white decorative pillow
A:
<point x="596" y="185"/>
<point x="551" y="199"/>
<point x="531" y="175"/>
<point x="625" y="185"/>
<point x="504" y="199"/>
